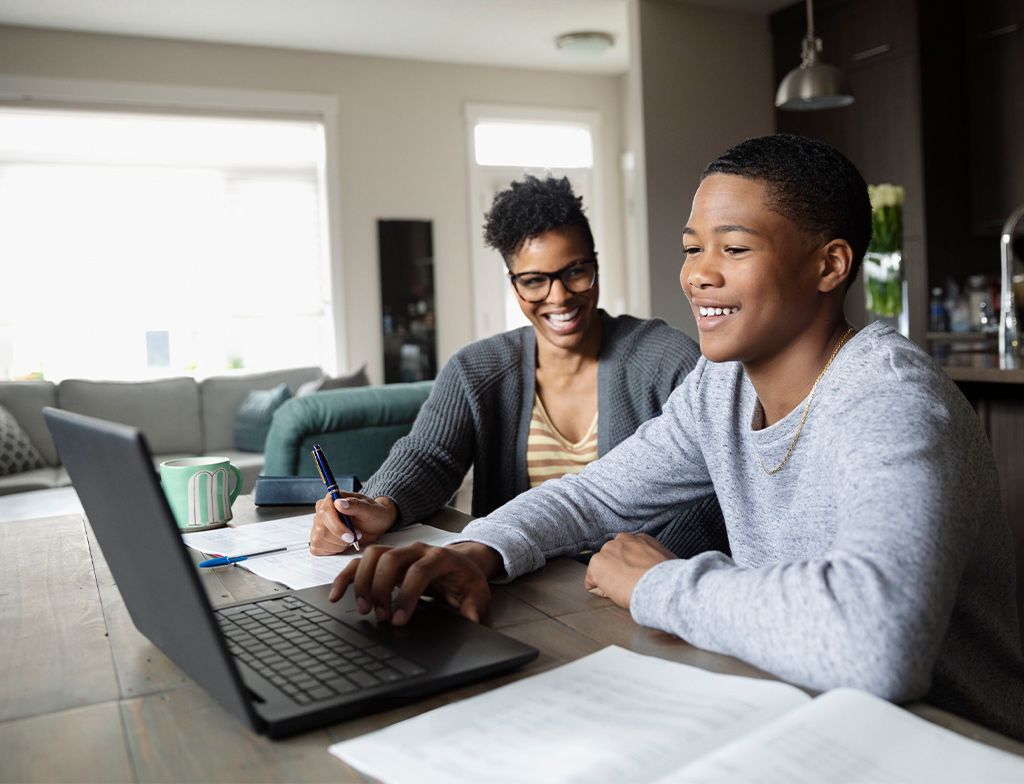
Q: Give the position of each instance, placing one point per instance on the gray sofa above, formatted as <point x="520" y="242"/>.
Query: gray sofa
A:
<point x="179" y="416"/>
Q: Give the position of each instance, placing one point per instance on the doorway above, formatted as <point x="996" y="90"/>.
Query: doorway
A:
<point x="506" y="143"/>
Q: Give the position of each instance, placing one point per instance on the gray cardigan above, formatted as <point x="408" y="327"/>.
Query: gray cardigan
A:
<point x="478" y="413"/>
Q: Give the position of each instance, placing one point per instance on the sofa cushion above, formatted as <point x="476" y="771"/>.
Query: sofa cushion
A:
<point x="16" y="451"/>
<point x="355" y="378"/>
<point x="37" y="479"/>
<point x="221" y="396"/>
<point x="25" y="399"/>
<point x="356" y="427"/>
<point x="254" y="414"/>
<point x="166" y="411"/>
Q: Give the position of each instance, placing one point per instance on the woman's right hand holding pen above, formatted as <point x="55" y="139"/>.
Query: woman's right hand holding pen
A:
<point x="372" y="517"/>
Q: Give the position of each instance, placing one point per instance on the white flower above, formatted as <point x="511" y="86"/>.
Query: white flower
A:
<point x="885" y="195"/>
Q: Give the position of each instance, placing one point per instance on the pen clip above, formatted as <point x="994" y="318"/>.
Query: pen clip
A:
<point x="319" y="470"/>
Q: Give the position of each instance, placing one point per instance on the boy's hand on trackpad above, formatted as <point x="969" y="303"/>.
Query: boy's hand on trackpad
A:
<point x="457" y="574"/>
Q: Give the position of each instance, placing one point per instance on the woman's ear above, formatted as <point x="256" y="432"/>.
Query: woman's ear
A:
<point x="836" y="261"/>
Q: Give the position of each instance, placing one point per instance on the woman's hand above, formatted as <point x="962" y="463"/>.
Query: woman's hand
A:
<point x="457" y="574"/>
<point x="617" y="567"/>
<point x="371" y="517"/>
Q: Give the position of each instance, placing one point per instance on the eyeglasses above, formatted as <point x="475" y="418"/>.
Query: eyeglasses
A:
<point x="578" y="277"/>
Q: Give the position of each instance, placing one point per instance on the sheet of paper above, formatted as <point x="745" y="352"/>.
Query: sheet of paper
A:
<point x="299" y="569"/>
<point x="613" y="716"/>
<point x="850" y="737"/>
<point x="252" y="538"/>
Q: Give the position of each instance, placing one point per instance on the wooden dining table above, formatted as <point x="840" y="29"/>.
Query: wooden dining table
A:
<point x="85" y="697"/>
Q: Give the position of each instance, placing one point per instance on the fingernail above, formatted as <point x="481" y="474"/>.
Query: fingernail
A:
<point x="344" y="503"/>
<point x="398" y="618"/>
<point x="359" y="535"/>
<point x="348" y="538"/>
<point x="381" y="614"/>
<point x="362" y="605"/>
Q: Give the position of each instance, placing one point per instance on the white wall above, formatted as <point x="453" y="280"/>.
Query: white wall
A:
<point x="401" y="145"/>
<point x="705" y="82"/>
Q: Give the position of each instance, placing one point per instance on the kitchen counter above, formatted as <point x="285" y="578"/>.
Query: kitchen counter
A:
<point x="999" y="403"/>
<point x="979" y="369"/>
<point x="969" y="357"/>
<point x="992" y="393"/>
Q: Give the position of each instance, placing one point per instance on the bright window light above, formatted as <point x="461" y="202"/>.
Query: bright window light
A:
<point x="533" y="145"/>
<point x="137" y="246"/>
<point x="55" y="136"/>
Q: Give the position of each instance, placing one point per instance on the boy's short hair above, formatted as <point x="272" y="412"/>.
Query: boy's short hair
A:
<point x="809" y="182"/>
<point x="530" y="207"/>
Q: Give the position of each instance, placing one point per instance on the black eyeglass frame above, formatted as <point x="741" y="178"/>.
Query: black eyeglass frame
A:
<point x="552" y="277"/>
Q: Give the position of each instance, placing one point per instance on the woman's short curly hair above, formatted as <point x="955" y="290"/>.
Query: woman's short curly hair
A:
<point x="530" y="207"/>
<point x="809" y="182"/>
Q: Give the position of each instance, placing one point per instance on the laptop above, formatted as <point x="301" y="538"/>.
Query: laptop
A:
<point x="281" y="664"/>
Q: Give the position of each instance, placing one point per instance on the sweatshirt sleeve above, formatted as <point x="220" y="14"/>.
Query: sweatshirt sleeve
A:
<point x="872" y="611"/>
<point x="425" y="468"/>
<point x="623" y="491"/>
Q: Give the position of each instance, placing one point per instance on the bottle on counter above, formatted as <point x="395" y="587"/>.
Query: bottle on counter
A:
<point x="979" y="303"/>
<point x="958" y="313"/>
<point x="937" y="319"/>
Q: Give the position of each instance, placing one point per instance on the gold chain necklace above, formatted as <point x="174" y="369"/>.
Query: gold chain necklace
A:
<point x="807" y="407"/>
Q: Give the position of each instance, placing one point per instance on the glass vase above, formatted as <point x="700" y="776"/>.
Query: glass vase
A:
<point x="885" y="288"/>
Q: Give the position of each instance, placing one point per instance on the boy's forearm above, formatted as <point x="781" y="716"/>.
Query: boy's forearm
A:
<point x="810" y="623"/>
<point x="487" y="559"/>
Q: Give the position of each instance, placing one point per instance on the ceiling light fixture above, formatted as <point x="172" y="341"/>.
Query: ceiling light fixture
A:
<point x="813" y="84"/>
<point x="585" y="42"/>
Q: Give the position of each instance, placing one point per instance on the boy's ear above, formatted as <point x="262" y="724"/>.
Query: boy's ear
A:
<point x="836" y="261"/>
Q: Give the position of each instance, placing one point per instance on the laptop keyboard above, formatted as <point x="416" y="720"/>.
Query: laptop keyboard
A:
<point x="306" y="653"/>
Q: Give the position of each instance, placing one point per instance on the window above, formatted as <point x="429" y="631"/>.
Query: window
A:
<point x="532" y="145"/>
<point x="136" y="245"/>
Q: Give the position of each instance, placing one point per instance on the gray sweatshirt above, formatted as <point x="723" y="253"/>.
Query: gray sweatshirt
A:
<point x="877" y="558"/>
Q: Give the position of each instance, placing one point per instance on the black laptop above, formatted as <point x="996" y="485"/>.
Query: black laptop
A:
<point x="282" y="664"/>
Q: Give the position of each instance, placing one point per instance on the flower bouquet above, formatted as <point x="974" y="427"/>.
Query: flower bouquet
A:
<point x="883" y="262"/>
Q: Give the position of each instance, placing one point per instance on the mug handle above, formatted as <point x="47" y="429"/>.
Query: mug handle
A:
<point x="238" y="483"/>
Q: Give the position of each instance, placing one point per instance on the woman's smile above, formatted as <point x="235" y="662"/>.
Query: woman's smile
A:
<point x="563" y="321"/>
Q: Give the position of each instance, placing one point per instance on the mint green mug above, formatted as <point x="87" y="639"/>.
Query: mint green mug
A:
<point x="197" y="490"/>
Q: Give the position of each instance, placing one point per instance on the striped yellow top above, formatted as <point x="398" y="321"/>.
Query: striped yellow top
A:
<point x="549" y="454"/>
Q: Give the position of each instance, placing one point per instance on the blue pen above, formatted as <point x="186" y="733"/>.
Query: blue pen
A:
<point x="327" y="476"/>
<point x="224" y="560"/>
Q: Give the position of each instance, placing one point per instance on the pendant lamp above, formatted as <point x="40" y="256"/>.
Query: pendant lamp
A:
<point x="813" y="85"/>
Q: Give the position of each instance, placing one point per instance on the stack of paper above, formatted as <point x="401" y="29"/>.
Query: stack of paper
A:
<point x="617" y="716"/>
<point x="296" y="567"/>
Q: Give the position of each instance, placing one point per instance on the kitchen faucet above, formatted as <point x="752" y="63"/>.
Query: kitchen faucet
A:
<point x="1009" y="329"/>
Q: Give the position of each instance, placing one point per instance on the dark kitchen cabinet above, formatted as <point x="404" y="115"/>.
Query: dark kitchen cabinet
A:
<point x="995" y="100"/>
<point x="875" y="43"/>
<point x="939" y="109"/>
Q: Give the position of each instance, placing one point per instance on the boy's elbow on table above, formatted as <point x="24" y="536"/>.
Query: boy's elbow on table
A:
<point x="888" y="660"/>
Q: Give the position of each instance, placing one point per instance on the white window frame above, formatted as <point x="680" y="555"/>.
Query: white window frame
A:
<point x="489" y="277"/>
<point x="94" y="94"/>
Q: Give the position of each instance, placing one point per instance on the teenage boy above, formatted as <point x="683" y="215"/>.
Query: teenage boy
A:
<point x="859" y="492"/>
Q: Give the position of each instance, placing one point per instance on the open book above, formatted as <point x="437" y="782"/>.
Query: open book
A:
<point x="617" y="716"/>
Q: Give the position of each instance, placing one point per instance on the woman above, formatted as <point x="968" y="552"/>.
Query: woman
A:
<point x="536" y="402"/>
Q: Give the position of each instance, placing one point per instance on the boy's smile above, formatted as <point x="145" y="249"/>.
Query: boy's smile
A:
<point x="749" y="273"/>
